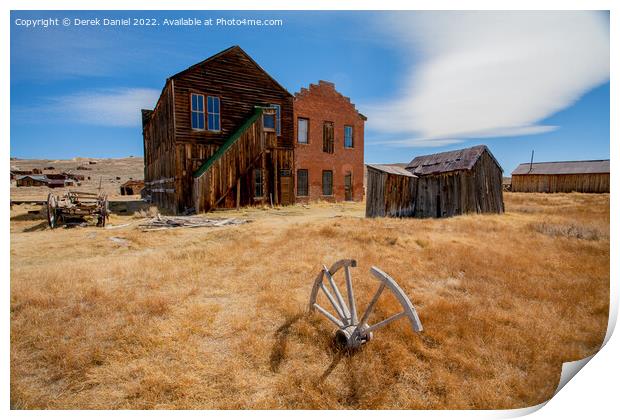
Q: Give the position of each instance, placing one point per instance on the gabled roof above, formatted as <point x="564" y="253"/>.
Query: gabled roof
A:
<point x="234" y="48"/>
<point x="454" y="160"/>
<point x="42" y="178"/>
<point x="395" y="169"/>
<point x="564" y="168"/>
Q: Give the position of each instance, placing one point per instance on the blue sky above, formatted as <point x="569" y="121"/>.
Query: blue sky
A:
<point x="428" y="81"/>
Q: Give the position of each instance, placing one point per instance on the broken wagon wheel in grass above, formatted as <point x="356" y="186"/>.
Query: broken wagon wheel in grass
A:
<point x="352" y="331"/>
<point x="52" y="210"/>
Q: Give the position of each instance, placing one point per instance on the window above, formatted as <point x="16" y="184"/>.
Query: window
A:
<point x="302" y="130"/>
<point x="213" y="111"/>
<point x="198" y="111"/>
<point x="328" y="181"/>
<point x="258" y="183"/>
<point x="302" y="182"/>
<point x="348" y="136"/>
<point x="328" y="137"/>
<point x="269" y="122"/>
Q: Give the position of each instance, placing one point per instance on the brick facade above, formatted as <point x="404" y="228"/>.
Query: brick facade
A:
<point x="319" y="104"/>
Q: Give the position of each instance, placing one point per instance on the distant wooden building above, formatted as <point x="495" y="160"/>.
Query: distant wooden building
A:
<point x="588" y="176"/>
<point x="448" y="184"/>
<point x="220" y="135"/>
<point x="15" y="173"/>
<point x="40" y="181"/>
<point x="392" y="191"/>
<point x="132" y="187"/>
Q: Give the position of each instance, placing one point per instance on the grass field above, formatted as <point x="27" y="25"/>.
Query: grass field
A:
<point x="216" y="317"/>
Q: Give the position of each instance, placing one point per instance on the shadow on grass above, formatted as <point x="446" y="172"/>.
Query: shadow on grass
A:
<point x="332" y="346"/>
<point x="26" y="217"/>
<point x="278" y="352"/>
<point x="36" y="228"/>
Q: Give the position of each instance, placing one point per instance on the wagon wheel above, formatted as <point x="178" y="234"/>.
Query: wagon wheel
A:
<point x="52" y="210"/>
<point x="353" y="332"/>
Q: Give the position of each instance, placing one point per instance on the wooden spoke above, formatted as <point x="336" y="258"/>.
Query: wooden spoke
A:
<point x="350" y="294"/>
<point x="333" y="302"/>
<point x="332" y="283"/>
<point x="385" y="322"/>
<point x="372" y="304"/>
<point x="329" y="316"/>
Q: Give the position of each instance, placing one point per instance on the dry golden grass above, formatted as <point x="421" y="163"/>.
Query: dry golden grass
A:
<point x="215" y="318"/>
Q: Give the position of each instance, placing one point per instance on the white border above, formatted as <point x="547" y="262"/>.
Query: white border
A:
<point x="593" y="393"/>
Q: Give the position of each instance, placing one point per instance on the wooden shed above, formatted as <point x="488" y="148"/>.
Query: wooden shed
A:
<point x="588" y="176"/>
<point x="391" y="191"/>
<point x="132" y="187"/>
<point x="220" y="135"/>
<point x="458" y="182"/>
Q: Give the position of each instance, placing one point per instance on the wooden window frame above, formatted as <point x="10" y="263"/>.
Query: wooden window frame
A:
<point x="329" y="145"/>
<point x="323" y="183"/>
<point x="191" y="111"/>
<point x="219" y="114"/>
<point x="307" y="194"/>
<point x="307" y="130"/>
<point x="352" y="137"/>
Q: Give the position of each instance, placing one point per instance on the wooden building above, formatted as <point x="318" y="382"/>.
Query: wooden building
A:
<point x="458" y="182"/>
<point x="41" y="181"/>
<point x="132" y="187"/>
<point x="391" y="191"/>
<point x="588" y="176"/>
<point x="220" y="135"/>
<point x="447" y="184"/>
<point x="15" y="173"/>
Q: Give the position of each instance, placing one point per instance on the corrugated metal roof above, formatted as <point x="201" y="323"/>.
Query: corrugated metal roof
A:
<point x="395" y="169"/>
<point x="564" y="168"/>
<point x="454" y="160"/>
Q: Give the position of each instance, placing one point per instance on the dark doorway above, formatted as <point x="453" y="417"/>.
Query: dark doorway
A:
<point x="286" y="184"/>
<point x="348" y="187"/>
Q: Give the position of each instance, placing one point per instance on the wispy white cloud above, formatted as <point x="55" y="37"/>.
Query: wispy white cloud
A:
<point x="491" y="74"/>
<point x="103" y="107"/>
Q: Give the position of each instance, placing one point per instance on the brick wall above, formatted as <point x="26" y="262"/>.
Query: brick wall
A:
<point x="320" y="103"/>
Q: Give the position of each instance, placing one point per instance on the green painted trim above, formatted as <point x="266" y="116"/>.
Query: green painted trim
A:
<point x="228" y="143"/>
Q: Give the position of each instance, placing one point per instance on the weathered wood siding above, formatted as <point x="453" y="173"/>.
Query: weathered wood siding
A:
<point x="241" y="85"/>
<point x="390" y="194"/>
<point x="159" y="153"/>
<point x="189" y="157"/>
<point x="235" y="163"/>
<point x="587" y="183"/>
<point x="446" y="194"/>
